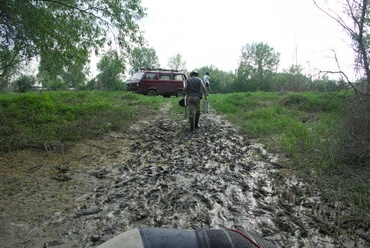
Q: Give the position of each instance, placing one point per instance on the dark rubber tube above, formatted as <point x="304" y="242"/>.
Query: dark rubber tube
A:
<point x="166" y="238"/>
<point x="177" y="238"/>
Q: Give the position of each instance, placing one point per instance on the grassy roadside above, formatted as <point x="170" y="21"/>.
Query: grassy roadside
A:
<point x="304" y="127"/>
<point x="288" y="123"/>
<point x="36" y="120"/>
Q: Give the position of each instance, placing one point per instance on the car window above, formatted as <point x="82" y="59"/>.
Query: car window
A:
<point x="179" y="78"/>
<point x="137" y="76"/>
<point x="150" y="76"/>
<point x="164" y="76"/>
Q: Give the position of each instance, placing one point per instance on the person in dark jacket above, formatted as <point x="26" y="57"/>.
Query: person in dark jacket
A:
<point x="194" y="89"/>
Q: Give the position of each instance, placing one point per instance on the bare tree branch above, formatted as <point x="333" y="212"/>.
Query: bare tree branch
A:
<point x="357" y="11"/>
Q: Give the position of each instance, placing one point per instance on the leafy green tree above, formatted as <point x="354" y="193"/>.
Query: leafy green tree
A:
<point x="90" y="85"/>
<point x="24" y="83"/>
<point x="176" y="62"/>
<point x="48" y="72"/>
<point x="326" y="85"/>
<point x="287" y="81"/>
<point x="221" y="81"/>
<point x="74" y="74"/>
<point x="10" y="64"/>
<point x="295" y="69"/>
<point x="57" y="84"/>
<point x="258" y="62"/>
<point x="291" y="79"/>
<point x="143" y="58"/>
<point x="63" y="31"/>
<point x="111" y="68"/>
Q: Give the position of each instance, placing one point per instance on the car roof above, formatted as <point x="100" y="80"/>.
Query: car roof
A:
<point x="159" y="70"/>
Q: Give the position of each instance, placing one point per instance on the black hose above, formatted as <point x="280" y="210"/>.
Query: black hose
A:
<point x="177" y="238"/>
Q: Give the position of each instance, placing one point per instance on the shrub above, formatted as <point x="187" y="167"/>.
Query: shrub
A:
<point x="355" y="147"/>
<point x="24" y="83"/>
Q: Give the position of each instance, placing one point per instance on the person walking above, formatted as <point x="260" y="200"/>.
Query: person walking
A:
<point x="207" y="81"/>
<point x="194" y="89"/>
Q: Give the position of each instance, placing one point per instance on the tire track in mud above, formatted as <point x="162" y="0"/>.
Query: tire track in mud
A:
<point x="215" y="177"/>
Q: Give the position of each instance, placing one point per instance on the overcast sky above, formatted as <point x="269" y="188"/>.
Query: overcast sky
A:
<point x="210" y="32"/>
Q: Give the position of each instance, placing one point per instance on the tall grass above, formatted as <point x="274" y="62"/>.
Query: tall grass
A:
<point x="33" y="119"/>
<point x="289" y="123"/>
<point x="303" y="127"/>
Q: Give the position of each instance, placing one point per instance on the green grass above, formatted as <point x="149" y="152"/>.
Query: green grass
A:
<point x="32" y="119"/>
<point x="286" y="122"/>
<point x="303" y="127"/>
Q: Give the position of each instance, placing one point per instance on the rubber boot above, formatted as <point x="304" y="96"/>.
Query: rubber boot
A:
<point x="197" y="121"/>
<point x="191" y="122"/>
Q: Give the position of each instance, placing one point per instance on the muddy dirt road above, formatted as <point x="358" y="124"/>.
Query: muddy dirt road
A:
<point x="157" y="174"/>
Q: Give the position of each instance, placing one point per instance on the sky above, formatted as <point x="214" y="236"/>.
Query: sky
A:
<point x="210" y="32"/>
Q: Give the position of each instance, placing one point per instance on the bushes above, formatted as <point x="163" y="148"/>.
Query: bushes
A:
<point x="24" y="83"/>
<point x="313" y="102"/>
<point x="354" y="148"/>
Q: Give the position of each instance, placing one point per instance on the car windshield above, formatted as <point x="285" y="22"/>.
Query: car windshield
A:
<point x="137" y="76"/>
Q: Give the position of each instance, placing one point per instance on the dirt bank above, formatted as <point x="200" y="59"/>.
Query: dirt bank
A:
<point x="157" y="174"/>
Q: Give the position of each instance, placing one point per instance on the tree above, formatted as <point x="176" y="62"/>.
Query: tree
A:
<point x="354" y="18"/>
<point x="292" y="79"/>
<point x="9" y="67"/>
<point x="221" y="81"/>
<point x="175" y="62"/>
<point x="51" y="70"/>
<point x="65" y="29"/>
<point x="48" y="74"/>
<point x="258" y="62"/>
<point x="75" y="75"/>
<point x="24" y="83"/>
<point x="111" y="68"/>
<point x="326" y="85"/>
<point x="143" y="58"/>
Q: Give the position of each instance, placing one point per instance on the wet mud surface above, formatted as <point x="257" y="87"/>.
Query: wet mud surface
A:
<point x="158" y="174"/>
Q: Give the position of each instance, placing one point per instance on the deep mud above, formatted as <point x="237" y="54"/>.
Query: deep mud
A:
<point x="157" y="174"/>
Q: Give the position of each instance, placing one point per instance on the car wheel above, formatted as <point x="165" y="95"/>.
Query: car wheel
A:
<point x="179" y="93"/>
<point x="152" y="93"/>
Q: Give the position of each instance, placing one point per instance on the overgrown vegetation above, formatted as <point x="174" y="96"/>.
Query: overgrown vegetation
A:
<point x="309" y="131"/>
<point x="41" y="119"/>
<point x="356" y="148"/>
<point x="313" y="131"/>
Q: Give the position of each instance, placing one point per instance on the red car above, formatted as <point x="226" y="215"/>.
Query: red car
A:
<point x="154" y="82"/>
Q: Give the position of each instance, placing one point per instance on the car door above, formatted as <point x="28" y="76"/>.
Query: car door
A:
<point x="148" y="82"/>
<point x="165" y="83"/>
<point x="179" y="82"/>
